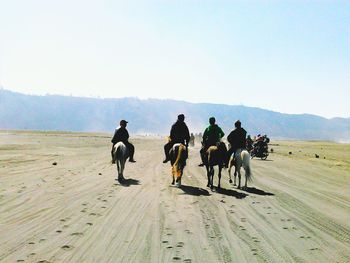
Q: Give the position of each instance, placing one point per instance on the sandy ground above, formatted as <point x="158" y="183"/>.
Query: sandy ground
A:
<point x="297" y="209"/>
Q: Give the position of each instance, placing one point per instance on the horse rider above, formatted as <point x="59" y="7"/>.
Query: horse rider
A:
<point x="121" y="134"/>
<point x="249" y="143"/>
<point x="211" y="137"/>
<point x="237" y="139"/>
<point x="179" y="133"/>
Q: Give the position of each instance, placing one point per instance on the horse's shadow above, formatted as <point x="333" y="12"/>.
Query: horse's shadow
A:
<point x="190" y="190"/>
<point x="231" y="192"/>
<point x="128" y="182"/>
<point x="257" y="191"/>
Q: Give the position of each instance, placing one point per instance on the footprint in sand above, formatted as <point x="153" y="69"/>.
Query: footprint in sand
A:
<point x="165" y="242"/>
<point x="180" y="244"/>
<point x="169" y="247"/>
<point x="79" y="234"/>
<point x="20" y="260"/>
<point x="31" y="243"/>
<point x="188" y="260"/>
<point x="176" y="258"/>
<point x="67" y="247"/>
<point x="42" y="240"/>
<point x="315" y="248"/>
<point x="43" y="261"/>
<point x="90" y="224"/>
<point x="58" y="231"/>
<point x="188" y="231"/>
<point x="83" y="211"/>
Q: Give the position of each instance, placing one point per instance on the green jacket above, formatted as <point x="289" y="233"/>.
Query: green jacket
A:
<point x="212" y="135"/>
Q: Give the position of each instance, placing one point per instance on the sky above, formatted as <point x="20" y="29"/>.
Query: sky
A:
<point x="286" y="56"/>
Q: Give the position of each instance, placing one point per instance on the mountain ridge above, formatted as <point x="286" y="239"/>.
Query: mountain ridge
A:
<point x="155" y="116"/>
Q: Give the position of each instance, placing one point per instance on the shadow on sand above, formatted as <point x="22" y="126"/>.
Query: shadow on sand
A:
<point x="257" y="191"/>
<point x="128" y="182"/>
<point x="230" y="192"/>
<point x="190" y="190"/>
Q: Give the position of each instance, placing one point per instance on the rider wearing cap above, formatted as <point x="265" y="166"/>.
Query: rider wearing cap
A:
<point x="179" y="133"/>
<point x="121" y="134"/>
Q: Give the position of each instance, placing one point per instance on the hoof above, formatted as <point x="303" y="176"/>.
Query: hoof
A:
<point x="230" y="181"/>
<point x="172" y="183"/>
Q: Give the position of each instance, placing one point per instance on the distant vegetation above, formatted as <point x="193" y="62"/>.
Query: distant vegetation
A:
<point x="155" y="116"/>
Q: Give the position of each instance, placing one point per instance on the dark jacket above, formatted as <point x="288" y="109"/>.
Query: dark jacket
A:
<point x="120" y="135"/>
<point x="179" y="133"/>
<point x="237" y="138"/>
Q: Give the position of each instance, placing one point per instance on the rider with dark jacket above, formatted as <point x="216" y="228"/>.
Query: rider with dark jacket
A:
<point x="237" y="139"/>
<point x="121" y="134"/>
<point x="211" y="137"/>
<point x="179" y="133"/>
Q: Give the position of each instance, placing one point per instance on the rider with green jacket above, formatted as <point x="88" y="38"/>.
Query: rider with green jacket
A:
<point x="211" y="137"/>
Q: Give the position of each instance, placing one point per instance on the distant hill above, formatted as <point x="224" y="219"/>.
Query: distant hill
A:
<point x="155" y="116"/>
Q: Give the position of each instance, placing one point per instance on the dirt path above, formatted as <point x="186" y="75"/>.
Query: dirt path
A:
<point x="75" y="211"/>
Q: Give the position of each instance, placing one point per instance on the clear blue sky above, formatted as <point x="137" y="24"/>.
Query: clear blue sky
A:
<point x="286" y="56"/>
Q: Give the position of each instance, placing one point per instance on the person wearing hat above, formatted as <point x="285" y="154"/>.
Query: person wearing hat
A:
<point x="121" y="134"/>
<point x="237" y="139"/>
<point x="179" y="133"/>
<point x="211" y="137"/>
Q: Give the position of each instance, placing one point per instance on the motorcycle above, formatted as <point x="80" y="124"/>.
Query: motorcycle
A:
<point x="260" y="150"/>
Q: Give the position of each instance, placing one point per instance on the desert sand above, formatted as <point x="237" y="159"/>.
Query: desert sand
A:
<point x="59" y="202"/>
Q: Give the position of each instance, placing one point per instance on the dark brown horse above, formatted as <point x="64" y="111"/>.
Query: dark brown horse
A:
<point x="215" y="156"/>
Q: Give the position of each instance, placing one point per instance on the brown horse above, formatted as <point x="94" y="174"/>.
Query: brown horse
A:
<point x="178" y="156"/>
<point x="215" y="156"/>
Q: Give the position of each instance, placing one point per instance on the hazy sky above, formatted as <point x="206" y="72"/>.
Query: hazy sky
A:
<point x="286" y="56"/>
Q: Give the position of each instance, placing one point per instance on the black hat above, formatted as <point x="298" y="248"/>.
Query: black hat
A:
<point x="123" y="122"/>
<point x="238" y="123"/>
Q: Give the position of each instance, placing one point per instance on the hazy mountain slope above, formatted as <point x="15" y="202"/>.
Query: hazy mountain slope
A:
<point x="51" y="112"/>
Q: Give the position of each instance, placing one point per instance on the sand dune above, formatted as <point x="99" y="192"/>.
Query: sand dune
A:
<point x="297" y="209"/>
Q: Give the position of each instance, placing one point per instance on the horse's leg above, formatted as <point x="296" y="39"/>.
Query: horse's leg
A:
<point x="235" y="174"/>
<point x="229" y="171"/>
<point x="219" y="174"/>
<point x="211" y="177"/>
<point x="239" y="177"/>
<point x="173" y="174"/>
<point x="208" y="175"/>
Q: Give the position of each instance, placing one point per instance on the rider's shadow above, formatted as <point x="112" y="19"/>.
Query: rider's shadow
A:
<point x="230" y="192"/>
<point x="190" y="190"/>
<point x="128" y="182"/>
<point x="257" y="191"/>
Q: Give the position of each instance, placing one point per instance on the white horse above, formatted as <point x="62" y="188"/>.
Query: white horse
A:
<point x="241" y="158"/>
<point x="120" y="155"/>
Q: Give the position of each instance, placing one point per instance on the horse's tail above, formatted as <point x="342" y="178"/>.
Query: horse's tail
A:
<point x="119" y="151"/>
<point x="246" y="164"/>
<point x="176" y="165"/>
